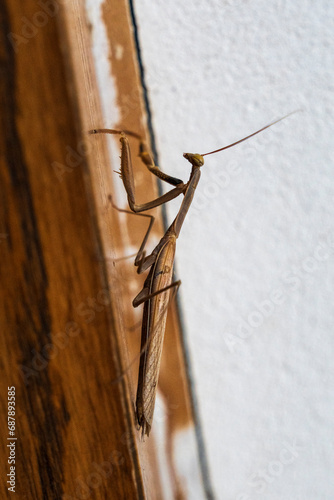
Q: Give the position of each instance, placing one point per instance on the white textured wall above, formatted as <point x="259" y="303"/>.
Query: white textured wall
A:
<point x="258" y="245"/>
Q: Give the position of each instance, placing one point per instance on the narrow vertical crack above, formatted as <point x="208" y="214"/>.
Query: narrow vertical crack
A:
<point x="143" y="84"/>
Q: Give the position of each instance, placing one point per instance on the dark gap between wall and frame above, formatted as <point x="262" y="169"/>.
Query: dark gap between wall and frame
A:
<point x="194" y="403"/>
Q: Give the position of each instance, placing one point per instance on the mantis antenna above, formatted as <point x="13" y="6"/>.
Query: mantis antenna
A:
<point x="254" y="133"/>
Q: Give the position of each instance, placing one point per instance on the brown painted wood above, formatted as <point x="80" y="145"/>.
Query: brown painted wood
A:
<point x="74" y="434"/>
<point x="66" y="315"/>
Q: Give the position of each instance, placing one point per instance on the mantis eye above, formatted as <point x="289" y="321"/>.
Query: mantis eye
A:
<point x="195" y="159"/>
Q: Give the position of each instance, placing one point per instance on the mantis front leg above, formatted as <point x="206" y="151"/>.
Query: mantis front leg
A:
<point x="127" y="172"/>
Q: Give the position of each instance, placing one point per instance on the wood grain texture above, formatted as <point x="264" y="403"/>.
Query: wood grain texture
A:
<point x="75" y="438"/>
<point x="66" y="315"/>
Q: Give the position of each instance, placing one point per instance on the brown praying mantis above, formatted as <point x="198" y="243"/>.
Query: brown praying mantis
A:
<point x="157" y="285"/>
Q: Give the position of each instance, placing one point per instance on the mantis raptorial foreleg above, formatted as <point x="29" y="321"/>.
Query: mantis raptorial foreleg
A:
<point x="127" y="171"/>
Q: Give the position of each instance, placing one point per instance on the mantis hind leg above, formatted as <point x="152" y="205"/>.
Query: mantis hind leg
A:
<point x="143" y="296"/>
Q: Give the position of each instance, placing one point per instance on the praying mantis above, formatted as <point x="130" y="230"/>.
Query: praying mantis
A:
<point x="158" y="283"/>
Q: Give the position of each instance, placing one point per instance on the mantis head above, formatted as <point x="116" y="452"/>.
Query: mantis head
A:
<point x="195" y="159"/>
